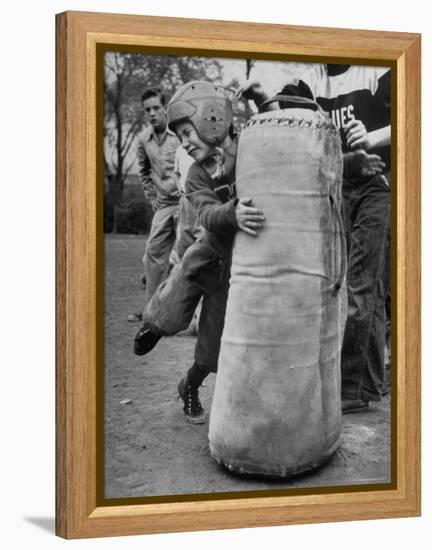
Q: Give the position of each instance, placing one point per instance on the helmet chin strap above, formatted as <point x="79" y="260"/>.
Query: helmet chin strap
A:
<point x="215" y="164"/>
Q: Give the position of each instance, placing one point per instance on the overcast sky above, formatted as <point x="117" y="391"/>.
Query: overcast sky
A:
<point x="272" y="74"/>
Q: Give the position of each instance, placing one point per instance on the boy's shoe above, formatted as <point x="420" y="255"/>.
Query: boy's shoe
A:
<point x="193" y="410"/>
<point x="145" y="340"/>
<point x="354" y="405"/>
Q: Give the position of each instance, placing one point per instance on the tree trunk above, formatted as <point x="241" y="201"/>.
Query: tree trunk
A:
<point x="118" y="195"/>
<point x="115" y="209"/>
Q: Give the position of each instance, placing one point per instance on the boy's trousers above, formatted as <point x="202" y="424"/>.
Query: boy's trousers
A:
<point x="159" y="246"/>
<point x="202" y="272"/>
<point x="367" y="216"/>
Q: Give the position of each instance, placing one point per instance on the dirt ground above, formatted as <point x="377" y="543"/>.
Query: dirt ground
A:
<point x="150" y="449"/>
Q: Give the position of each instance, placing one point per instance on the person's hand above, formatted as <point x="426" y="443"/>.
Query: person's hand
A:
<point x="249" y="219"/>
<point x="356" y="135"/>
<point x="250" y="89"/>
<point x="359" y="164"/>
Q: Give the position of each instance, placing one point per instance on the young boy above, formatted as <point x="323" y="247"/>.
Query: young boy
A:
<point x="201" y="116"/>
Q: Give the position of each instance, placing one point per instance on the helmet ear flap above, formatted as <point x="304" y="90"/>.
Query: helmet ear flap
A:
<point x="178" y="111"/>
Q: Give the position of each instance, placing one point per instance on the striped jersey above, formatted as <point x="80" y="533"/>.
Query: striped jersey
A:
<point x="358" y="92"/>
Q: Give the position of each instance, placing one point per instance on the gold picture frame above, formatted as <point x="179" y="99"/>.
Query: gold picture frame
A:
<point x="79" y="335"/>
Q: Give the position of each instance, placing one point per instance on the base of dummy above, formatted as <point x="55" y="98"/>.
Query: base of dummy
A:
<point x="234" y="466"/>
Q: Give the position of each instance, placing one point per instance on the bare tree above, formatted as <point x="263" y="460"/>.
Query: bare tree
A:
<point x="126" y="76"/>
<point x="122" y="121"/>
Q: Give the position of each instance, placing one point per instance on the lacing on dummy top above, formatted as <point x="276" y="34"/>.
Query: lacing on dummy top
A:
<point x="292" y="122"/>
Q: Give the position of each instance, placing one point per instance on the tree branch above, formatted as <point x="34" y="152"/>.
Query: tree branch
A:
<point x="130" y="136"/>
<point x="126" y="171"/>
<point x="110" y="67"/>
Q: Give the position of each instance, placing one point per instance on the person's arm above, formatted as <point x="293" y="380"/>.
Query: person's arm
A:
<point x="358" y="165"/>
<point x="213" y="214"/>
<point x="252" y="89"/>
<point x="145" y="175"/>
<point x="249" y="219"/>
<point x="380" y="138"/>
<point x="218" y="217"/>
<point x="357" y="137"/>
<point x="356" y="134"/>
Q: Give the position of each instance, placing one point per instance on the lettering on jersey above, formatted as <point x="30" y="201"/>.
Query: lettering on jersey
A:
<point x="343" y="115"/>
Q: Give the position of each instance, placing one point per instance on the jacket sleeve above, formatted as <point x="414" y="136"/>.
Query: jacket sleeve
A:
<point x="145" y="174"/>
<point x="214" y="215"/>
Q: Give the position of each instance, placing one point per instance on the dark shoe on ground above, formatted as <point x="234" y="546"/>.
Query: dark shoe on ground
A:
<point x="134" y="317"/>
<point x="145" y="340"/>
<point x="193" y="410"/>
<point x="354" y="405"/>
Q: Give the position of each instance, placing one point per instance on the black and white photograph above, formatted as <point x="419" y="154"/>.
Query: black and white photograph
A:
<point x="204" y="342"/>
<point x="247" y="296"/>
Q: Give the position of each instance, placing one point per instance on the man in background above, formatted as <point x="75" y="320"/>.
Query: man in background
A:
<point x="156" y="150"/>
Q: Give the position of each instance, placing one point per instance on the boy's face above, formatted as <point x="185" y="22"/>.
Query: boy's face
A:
<point x="198" y="149"/>
<point x="155" y="113"/>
